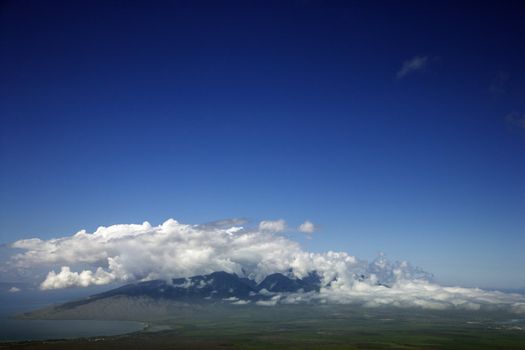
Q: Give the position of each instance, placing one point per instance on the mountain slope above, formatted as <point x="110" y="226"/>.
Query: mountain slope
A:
<point x="160" y="297"/>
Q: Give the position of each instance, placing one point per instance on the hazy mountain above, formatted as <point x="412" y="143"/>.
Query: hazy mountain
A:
<point x="215" y="286"/>
<point x="280" y="283"/>
<point x="159" y="297"/>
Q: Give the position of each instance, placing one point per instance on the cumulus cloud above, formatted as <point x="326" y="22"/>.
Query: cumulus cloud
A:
<point x="415" y="64"/>
<point x="273" y="226"/>
<point x="172" y="249"/>
<point x="306" y="227"/>
<point x="126" y="253"/>
<point x="66" y="278"/>
<point x="14" y="290"/>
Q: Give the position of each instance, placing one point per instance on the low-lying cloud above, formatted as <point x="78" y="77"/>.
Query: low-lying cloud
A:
<point x="126" y="253"/>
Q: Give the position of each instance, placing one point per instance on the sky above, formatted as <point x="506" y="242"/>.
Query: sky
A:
<point x="393" y="127"/>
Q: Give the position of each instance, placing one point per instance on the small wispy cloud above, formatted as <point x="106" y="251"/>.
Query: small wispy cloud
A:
<point x="272" y="226"/>
<point x="415" y="64"/>
<point x="516" y="119"/>
<point x="498" y="86"/>
<point x="307" y="227"/>
<point x="212" y="225"/>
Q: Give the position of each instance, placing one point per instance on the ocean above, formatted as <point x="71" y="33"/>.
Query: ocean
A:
<point x="12" y="329"/>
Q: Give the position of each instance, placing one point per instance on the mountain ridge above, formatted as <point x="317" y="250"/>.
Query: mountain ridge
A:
<point x="157" y="298"/>
<point x="215" y="287"/>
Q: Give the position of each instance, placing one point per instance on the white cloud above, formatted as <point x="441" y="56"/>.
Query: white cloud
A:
<point x="271" y="302"/>
<point x="415" y="64"/>
<point x="231" y="299"/>
<point x="306" y="227"/>
<point x="417" y="293"/>
<point x="125" y="253"/>
<point x="66" y="278"/>
<point x="143" y="252"/>
<point x="14" y="290"/>
<point x="273" y="226"/>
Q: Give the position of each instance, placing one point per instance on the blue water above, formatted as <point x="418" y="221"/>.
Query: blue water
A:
<point x="19" y="330"/>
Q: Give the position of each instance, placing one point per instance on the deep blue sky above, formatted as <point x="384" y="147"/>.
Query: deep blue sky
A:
<point x="120" y="112"/>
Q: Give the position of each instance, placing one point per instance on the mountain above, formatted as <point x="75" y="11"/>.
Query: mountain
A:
<point x="215" y="286"/>
<point x="279" y="283"/>
<point x="160" y="297"/>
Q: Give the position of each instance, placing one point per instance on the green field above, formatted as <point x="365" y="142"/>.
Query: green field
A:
<point x="312" y="327"/>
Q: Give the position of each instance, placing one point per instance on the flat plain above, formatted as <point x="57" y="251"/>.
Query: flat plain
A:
<point x="311" y="327"/>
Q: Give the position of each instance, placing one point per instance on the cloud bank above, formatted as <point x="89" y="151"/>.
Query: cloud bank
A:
<point x="126" y="253"/>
